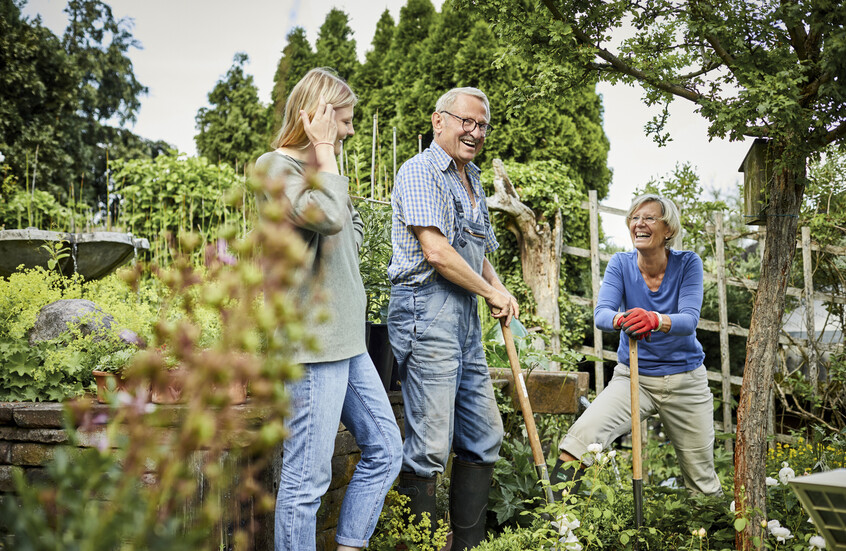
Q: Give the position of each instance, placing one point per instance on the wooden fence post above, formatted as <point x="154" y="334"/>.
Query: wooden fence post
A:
<point x="725" y="366"/>
<point x="808" y="273"/>
<point x="598" y="366"/>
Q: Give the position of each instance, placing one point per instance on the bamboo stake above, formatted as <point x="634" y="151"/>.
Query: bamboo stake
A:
<point x="373" y="159"/>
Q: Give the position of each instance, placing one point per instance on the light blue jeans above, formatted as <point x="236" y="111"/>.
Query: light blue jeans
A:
<point x="446" y="387"/>
<point x="347" y="391"/>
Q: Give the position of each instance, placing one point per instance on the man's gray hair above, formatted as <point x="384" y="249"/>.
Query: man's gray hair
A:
<point x="669" y="213"/>
<point x="446" y="101"/>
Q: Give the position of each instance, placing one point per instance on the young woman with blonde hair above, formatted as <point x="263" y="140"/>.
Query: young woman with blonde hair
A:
<point x="339" y="383"/>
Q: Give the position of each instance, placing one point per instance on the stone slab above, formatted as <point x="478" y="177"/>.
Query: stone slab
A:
<point x="44" y="436"/>
<point x="6" y="481"/>
<point x="41" y="415"/>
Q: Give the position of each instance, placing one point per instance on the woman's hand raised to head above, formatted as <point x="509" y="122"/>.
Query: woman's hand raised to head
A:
<point x="322" y="128"/>
<point x="322" y="132"/>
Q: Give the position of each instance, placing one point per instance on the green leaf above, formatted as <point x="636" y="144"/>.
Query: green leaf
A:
<point x="740" y="524"/>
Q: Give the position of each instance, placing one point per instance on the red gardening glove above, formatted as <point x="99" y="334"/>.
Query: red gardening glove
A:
<point x="639" y="323"/>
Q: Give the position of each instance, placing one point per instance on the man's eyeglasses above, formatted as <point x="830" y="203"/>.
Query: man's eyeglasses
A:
<point x="646" y="219"/>
<point x="469" y="125"/>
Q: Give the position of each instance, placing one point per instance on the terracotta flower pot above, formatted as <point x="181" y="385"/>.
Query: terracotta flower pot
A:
<point x="107" y="383"/>
<point x="171" y="390"/>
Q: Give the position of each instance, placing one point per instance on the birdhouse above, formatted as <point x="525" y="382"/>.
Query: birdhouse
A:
<point x="757" y="169"/>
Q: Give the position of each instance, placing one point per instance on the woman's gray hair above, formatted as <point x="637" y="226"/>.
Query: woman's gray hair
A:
<point x="669" y="213"/>
<point x="446" y="101"/>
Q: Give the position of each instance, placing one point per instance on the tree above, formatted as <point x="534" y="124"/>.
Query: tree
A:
<point x="335" y="46"/>
<point x="370" y="76"/>
<point x="297" y="58"/>
<point x="58" y="97"/>
<point x="769" y="69"/>
<point x="234" y="129"/>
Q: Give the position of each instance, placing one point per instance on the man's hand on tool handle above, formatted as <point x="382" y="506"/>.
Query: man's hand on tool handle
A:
<point x="503" y="305"/>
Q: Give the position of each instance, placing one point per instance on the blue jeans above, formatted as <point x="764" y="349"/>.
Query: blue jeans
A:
<point x="446" y="387"/>
<point x="351" y="392"/>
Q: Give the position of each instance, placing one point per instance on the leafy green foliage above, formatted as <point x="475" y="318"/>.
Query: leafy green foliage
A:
<point x="170" y="194"/>
<point x="374" y="256"/>
<point x="60" y="369"/>
<point x="234" y="129"/>
<point x="57" y="98"/>
<point x="397" y="526"/>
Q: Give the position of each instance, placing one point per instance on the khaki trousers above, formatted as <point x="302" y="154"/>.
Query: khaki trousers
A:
<point x="684" y="404"/>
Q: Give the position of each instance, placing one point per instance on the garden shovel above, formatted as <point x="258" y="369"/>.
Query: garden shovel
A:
<point x="637" y="474"/>
<point x="526" y="408"/>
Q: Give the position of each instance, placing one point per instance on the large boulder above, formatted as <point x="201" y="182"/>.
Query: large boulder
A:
<point x="57" y="317"/>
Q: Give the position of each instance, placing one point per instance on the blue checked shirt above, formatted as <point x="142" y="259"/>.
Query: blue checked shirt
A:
<point x="422" y="197"/>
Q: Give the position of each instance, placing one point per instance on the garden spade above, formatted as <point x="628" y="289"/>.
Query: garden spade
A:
<point x="526" y="408"/>
<point x="637" y="474"/>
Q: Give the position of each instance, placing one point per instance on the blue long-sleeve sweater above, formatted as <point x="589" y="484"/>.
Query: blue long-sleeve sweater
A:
<point x="679" y="296"/>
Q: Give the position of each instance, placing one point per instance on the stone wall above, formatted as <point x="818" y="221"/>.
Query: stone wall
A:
<point x="31" y="432"/>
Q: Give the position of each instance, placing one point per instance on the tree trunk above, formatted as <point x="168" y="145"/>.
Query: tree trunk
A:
<point x="540" y="250"/>
<point x="784" y="199"/>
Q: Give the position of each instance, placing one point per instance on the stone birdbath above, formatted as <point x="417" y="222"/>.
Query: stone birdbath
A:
<point x="92" y="255"/>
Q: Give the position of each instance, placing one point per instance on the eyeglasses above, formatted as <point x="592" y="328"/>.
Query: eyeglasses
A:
<point x="646" y="219"/>
<point x="469" y="125"/>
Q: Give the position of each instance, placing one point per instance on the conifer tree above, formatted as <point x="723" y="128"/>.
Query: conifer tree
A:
<point x="297" y="58"/>
<point x="336" y="48"/>
<point x="234" y="129"/>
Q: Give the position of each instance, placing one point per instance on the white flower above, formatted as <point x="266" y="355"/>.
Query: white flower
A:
<point x="572" y="524"/>
<point x="817" y="542"/>
<point x="731" y="507"/>
<point x="773" y="524"/>
<point x="2" y="157"/>
<point x="781" y="533"/>
<point x="786" y="474"/>
<point x="702" y="533"/>
<point x="600" y="458"/>
<point x="612" y="454"/>
<point x="596" y="447"/>
<point x="571" y="542"/>
<point x="772" y="481"/>
<point x="566" y="525"/>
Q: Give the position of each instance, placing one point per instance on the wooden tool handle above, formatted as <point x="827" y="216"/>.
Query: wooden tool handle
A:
<point x="522" y="395"/>
<point x="637" y="469"/>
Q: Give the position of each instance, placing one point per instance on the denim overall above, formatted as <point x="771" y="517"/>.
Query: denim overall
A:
<point x="436" y="336"/>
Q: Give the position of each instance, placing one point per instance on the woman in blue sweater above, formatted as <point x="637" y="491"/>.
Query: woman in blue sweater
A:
<point x="653" y="294"/>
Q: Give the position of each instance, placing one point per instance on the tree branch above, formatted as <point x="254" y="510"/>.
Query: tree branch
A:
<point x="618" y="65"/>
<point x="834" y="135"/>
<point x="798" y="36"/>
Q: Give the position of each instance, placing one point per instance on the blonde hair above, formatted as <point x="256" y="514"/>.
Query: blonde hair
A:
<point x="669" y="213"/>
<point x="305" y="95"/>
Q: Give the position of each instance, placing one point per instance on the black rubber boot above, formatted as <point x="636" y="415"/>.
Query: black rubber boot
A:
<point x="421" y="493"/>
<point x="468" y="503"/>
<point x="559" y="474"/>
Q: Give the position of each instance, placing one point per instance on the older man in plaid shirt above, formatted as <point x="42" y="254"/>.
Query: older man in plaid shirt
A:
<point x="441" y="232"/>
